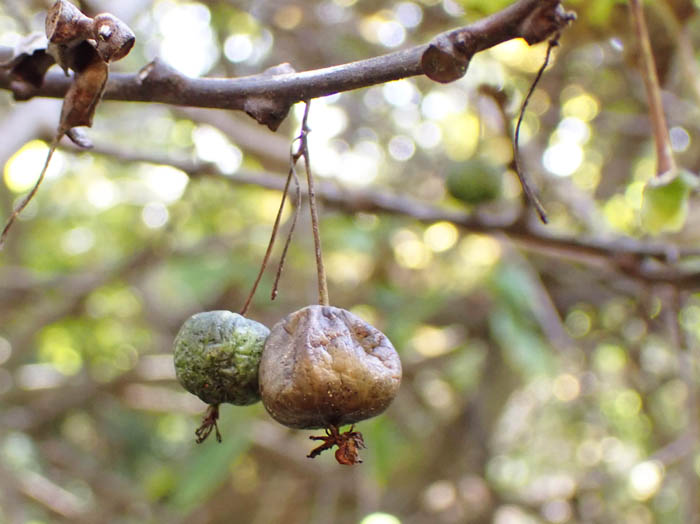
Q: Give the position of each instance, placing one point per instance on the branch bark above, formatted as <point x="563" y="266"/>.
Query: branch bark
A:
<point x="267" y="97"/>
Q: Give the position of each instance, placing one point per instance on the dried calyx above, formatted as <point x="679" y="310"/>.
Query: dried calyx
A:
<point x="86" y="46"/>
<point x="324" y="367"/>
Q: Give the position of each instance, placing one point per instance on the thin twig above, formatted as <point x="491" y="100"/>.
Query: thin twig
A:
<point x="664" y="154"/>
<point x="273" y="237"/>
<point x="320" y="267"/>
<point x="295" y="216"/>
<point x="20" y="207"/>
<point x="529" y="192"/>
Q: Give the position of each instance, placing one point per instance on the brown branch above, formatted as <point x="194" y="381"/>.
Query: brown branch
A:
<point x="268" y="96"/>
<point x="664" y="154"/>
<point x="644" y="261"/>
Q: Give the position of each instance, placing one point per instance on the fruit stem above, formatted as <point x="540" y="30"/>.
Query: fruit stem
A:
<point x="297" y="207"/>
<point x="664" y="154"/>
<point x="320" y="267"/>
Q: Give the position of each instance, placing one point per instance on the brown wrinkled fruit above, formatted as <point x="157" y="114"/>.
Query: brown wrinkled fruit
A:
<point x="323" y="367"/>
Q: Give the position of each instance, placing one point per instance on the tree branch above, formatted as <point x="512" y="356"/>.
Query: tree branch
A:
<point x="646" y="262"/>
<point x="267" y="97"/>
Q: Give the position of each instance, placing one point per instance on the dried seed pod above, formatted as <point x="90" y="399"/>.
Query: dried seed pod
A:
<point x="324" y="367"/>
<point x="66" y="24"/>
<point x="114" y="39"/>
<point x="66" y="28"/>
<point x="217" y="354"/>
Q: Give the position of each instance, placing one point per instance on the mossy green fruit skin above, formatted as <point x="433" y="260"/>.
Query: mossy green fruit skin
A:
<point x="217" y="354"/>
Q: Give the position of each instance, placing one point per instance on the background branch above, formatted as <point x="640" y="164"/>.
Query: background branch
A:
<point x="648" y="262"/>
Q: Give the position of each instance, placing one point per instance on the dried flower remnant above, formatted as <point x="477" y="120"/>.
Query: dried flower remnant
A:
<point x="79" y="43"/>
<point x="348" y="443"/>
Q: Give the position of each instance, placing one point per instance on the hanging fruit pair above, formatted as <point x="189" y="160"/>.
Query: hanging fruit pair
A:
<point x="319" y="367"/>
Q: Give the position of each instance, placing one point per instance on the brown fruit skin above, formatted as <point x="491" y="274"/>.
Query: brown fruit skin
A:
<point x="323" y="366"/>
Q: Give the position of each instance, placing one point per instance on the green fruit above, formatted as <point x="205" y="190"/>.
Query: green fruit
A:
<point x="324" y="367"/>
<point x="665" y="201"/>
<point x="475" y="182"/>
<point x="217" y="354"/>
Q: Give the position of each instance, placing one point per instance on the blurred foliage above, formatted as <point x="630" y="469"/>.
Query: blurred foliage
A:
<point x="536" y="388"/>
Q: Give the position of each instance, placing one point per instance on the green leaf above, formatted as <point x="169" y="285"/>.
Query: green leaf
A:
<point x="665" y="201"/>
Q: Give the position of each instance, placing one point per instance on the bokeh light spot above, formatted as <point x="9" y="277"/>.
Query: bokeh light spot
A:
<point x="212" y="146"/>
<point x="680" y="139"/>
<point x="583" y="107"/>
<point x="195" y="53"/>
<point x="566" y="387"/>
<point x="440" y="496"/>
<point x="461" y="136"/>
<point x="441" y="236"/>
<point x="409" y="250"/>
<point x="563" y="159"/>
<point x="23" y="168"/>
<point x="155" y="215"/>
<point x="578" y="323"/>
<point x="408" y="14"/>
<point x="401" y="148"/>
<point x="288" y="17"/>
<point x="380" y="518"/>
<point x="645" y="479"/>
<point x="610" y="358"/>
<point x="78" y="240"/>
<point x="431" y="341"/>
<point x="238" y="48"/>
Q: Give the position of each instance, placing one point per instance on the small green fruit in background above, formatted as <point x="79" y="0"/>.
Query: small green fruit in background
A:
<point x="475" y="182"/>
<point x="217" y="354"/>
<point x="665" y="201"/>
